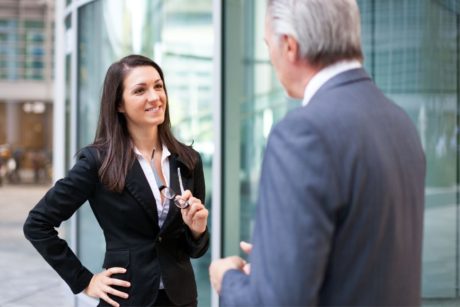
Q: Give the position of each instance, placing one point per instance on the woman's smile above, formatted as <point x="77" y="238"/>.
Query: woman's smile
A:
<point x="153" y="109"/>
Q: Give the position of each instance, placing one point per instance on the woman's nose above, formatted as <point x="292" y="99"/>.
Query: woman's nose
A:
<point x="153" y="95"/>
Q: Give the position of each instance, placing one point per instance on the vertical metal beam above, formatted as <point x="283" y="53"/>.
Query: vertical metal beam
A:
<point x="59" y="92"/>
<point x="73" y="119"/>
<point x="457" y="131"/>
<point x="373" y="26"/>
<point x="216" y="240"/>
<point x="48" y="42"/>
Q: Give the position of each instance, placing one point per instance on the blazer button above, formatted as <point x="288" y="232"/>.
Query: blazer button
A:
<point x="160" y="239"/>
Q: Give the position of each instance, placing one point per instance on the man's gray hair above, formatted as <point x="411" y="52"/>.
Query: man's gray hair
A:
<point x="327" y="31"/>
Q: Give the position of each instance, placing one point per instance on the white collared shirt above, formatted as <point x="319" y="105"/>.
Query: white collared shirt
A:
<point x="148" y="172"/>
<point x="325" y="75"/>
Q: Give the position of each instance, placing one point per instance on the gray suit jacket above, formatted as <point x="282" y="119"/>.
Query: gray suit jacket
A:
<point x="340" y="209"/>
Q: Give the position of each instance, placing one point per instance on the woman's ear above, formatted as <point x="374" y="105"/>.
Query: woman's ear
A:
<point x="121" y="108"/>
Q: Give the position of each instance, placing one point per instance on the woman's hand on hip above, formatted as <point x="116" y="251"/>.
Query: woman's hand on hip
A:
<point x="195" y="216"/>
<point x="100" y="285"/>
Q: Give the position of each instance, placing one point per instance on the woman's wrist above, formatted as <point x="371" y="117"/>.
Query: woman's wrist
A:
<point x="196" y="235"/>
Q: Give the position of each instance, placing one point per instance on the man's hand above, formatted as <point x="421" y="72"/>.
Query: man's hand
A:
<point x="218" y="268"/>
<point x="100" y="285"/>
<point x="247" y="248"/>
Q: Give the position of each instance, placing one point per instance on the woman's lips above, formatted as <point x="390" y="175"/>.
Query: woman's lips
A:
<point x="153" y="109"/>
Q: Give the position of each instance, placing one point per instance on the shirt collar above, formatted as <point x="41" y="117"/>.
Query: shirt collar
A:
<point x="326" y="74"/>
<point x="165" y="152"/>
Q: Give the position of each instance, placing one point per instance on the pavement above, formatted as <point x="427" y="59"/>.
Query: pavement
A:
<point x="27" y="279"/>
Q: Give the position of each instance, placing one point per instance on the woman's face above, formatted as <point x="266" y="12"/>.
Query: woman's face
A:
<point x="144" y="98"/>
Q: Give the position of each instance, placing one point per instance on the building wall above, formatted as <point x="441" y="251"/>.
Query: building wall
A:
<point x="26" y="79"/>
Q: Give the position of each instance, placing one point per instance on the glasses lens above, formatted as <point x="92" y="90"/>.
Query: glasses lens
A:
<point x="180" y="203"/>
<point x="168" y="193"/>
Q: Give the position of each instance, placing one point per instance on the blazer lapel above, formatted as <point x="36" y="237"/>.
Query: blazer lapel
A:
<point x="138" y="186"/>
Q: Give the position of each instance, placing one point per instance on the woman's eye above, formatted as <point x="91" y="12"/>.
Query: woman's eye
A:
<point x="139" y="91"/>
<point x="159" y="86"/>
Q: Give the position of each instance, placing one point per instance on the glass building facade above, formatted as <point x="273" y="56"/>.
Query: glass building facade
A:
<point x="225" y="97"/>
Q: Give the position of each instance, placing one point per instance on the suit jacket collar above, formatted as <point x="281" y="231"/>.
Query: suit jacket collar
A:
<point x="347" y="77"/>
<point x="325" y="74"/>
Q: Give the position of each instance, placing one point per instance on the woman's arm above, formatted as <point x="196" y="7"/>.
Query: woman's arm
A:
<point x="58" y="205"/>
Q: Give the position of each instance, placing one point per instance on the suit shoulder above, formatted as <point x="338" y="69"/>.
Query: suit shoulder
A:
<point x="89" y="153"/>
<point x="296" y="120"/>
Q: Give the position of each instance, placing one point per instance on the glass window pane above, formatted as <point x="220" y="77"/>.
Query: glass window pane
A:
<point x="412" y="51"/>
<point x="185" y="49"/>
<point x="253" y="101"/>
<point x="179" y="36"/>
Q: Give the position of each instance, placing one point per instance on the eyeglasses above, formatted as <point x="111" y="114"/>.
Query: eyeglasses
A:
<point x="170" y="194"/>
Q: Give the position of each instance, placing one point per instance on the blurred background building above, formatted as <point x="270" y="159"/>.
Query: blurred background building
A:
<point x="26" y="82"/>
<point x="224" y="98"/>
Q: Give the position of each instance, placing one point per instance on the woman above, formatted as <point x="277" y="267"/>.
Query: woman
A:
<point x="149" y="239"/>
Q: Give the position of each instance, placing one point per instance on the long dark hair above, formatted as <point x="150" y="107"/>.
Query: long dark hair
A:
<point x="112" y="139"/>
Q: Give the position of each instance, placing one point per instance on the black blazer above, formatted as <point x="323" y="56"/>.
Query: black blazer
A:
<point x="129" y="221"/>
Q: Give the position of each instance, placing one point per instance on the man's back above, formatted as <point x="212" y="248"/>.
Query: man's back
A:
<point x="340" y="210"/>
<point x="375" y="257"/>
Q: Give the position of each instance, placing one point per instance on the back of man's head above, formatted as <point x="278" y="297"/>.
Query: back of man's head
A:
<point x="327" y="31"/>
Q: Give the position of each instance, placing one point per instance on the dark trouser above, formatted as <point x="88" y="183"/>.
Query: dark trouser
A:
<point x="163" y="299"/>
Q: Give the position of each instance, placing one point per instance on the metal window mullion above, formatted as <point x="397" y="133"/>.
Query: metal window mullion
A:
<point x="216" y="240"/>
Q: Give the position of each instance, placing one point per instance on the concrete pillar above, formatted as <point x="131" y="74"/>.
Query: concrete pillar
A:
<point x="13" y="110"/>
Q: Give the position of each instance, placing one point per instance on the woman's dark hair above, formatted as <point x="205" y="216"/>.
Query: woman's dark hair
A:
<point x="112" y="139"/>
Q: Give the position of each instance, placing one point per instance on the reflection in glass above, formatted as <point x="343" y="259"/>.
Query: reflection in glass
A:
<point x="253" y="102"/>
<point x="411" y="51"/>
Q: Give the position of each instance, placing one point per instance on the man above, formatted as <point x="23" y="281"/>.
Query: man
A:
<point x="340" y="211"/>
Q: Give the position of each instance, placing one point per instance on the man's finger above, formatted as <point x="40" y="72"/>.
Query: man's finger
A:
<point x="247" y="268"/>
<point x="246" y="247"/>
<point x="235" y="262"/>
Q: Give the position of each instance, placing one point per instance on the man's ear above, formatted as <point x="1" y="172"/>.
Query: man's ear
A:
<point x="291" y="48"/>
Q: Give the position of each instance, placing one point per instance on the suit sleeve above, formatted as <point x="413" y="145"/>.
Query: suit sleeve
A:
<point x="294" y="222"/>
<point x="197" y="248"/>
<point x="58" y="205"/>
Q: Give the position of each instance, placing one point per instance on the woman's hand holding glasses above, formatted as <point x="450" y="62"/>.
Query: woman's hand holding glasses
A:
<point x="195" y="215"/>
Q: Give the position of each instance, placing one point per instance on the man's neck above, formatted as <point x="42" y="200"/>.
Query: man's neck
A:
<point x="303" y="78"/>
